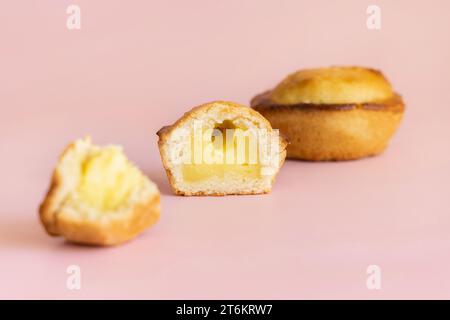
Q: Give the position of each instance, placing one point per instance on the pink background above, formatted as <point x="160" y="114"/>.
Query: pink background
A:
<point x="138" y="65"/>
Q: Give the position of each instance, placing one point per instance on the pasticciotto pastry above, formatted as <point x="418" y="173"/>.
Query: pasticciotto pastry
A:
<point x="221" y="148"/>
<point x="98" y="197"/>
<point x="336" y="113"/>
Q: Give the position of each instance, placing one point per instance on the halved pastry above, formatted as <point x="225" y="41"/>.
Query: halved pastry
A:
<point x="221" y="148"/>
<point x="98" y="197"/>
<point x="337" y="113"/>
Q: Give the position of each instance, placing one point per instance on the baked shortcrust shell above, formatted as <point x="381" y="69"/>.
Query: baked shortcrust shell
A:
<point x="190" y="177"/>
<point x="337" y="113"/>
<point x="98" y="197"/>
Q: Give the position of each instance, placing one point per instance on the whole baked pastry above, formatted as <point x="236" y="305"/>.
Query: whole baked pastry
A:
<point x="98" y="197"/>
<point x="335" y="113"/>
<point x="221" y="148"/>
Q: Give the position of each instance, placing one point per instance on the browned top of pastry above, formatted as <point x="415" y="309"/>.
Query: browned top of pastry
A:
<point x="334" y="88"/>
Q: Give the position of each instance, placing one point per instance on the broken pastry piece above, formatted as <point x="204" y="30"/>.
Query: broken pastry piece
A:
<point x="221" y="148"/>
<point x="336" y="113"/>
<point x="98" y="197"/>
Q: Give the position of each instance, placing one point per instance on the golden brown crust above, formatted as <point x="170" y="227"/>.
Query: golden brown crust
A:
<point x="333" y="131"/>
<point x="95" y="232"/>
<point x="112" y="232"/>
<point x="220" y="194"/>
<point x="45" y="213"/>
<point x="47" y="216"/>
<point x="335" y="135"/>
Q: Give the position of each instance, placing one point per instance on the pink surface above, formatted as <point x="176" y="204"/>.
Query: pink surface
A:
<point x="138" y="65"/>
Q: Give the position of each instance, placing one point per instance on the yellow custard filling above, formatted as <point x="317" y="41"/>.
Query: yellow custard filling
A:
<point x="107" y="179"/>
<point x="217" y="149"/>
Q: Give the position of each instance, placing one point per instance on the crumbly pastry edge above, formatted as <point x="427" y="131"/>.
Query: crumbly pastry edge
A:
<point x="165" y="132"/>
<point x="73" y="230"/>
<point x="393" y="113"/>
